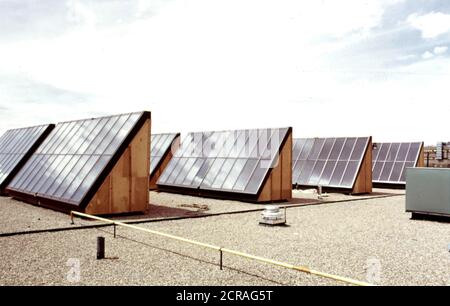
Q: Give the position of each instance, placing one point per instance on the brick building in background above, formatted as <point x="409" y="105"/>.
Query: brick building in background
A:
<point x="437" y="156"/>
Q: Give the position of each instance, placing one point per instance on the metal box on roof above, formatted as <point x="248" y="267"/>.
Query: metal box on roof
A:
<point x="428" y="191"/>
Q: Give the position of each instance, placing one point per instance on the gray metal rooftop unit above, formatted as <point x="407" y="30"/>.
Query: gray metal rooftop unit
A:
<point x="428" y="191"/>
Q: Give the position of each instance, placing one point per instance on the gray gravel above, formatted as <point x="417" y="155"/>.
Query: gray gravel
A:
<point x="16" y="216"/>
<point x="342" y="238"/>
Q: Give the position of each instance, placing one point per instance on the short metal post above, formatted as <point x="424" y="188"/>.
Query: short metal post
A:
<point x="100" y="247"/>
<point x="221" y="259"/>
<point x="114" y="230"/>
<point x="71" y="218"/>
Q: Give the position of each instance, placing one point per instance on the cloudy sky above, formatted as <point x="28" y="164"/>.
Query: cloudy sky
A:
<point x="327" y="68"/>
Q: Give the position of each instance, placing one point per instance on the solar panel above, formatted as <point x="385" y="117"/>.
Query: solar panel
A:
<point x="328" y="162"/>
<point x="75" y="158"/>
<point x="161" y="144"/>
<point x="16" y="146"/>
<point x="235" y="162"/>
<point x="390" y="160"/>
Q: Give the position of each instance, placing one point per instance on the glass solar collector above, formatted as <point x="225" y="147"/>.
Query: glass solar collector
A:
<point x="68" y="167"/>
<point x="16" y="147"/>
<point x="234" y="162"/>
<point x="328" y="162"/>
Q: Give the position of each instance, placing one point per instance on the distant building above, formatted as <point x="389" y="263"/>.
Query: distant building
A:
<point x="437" y="156"/>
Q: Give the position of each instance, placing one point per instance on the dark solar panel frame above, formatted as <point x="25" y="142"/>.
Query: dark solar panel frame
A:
<point x="237" y="168"/>
<point x="71" y="164"/>
<point x="328" y="162"/>
<point x="16" y="147"/>
<point x="391" y="159"/>
<point x="161" y="145"/>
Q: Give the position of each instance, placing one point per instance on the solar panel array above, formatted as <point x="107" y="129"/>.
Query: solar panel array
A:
<point x="72" y="157"/>
<point x="390" y="160"/>
<point x="229" y="161"/>
<point x="328" y="162"/>
<point x="160" y="145"/>
<point x="15" y="146"/>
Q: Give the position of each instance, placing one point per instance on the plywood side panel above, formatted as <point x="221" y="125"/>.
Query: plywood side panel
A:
<point x="421" y="161"/>
<point x="121" y="184"/>
<point x="278" y="186"/>
<point x="286" y="171"/>
<point x="266" y="192"/>
<point x="140" y="168"/>
<point x="100" y="203"/>
<point x="363" y="183"/>
<point x="276" y="181"/>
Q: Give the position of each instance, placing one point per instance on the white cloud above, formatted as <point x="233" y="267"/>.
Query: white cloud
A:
<point x="427" y="55"/>
<point x="407" y="57"/>
<point x="440" y="50"/>
<point x="232" y="64"/>
<point x="431" y="25"/>
<point x="80" y="14"/>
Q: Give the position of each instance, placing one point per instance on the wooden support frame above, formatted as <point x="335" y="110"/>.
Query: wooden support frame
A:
<point x="163" y="163"/>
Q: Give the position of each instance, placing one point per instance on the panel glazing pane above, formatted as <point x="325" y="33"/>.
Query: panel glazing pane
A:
<point x="303" y="179"/>
<point x="317" y="147"/>
<point x="297" y="148"/>
<point x="392" y="154"/>
<point x="181" y="162"/>
<point x="306" y="148"/>
<point x="350" y="174"/>
<point x="337" y="148"/>
<point x="235" y="171"/>
<point x="200" y="175"/>
<point x="413" y="152"/>
<point x="403" y="151"/>
<point x="338" y="173"/>
<point x="348" y="149"/>
<point x="326" y="150"/>
<point x="184" y="171"/>
<point x="90" y="179"/>
<point x="212" y="172"/>
<point x="376" y="172"/>
<point x="327" y="172"/>
<point x="71" y="161"/>
<point x="197" y="166"/>
<point x="168" y="170"/>
<point x="396" y="171"/>
<point x="71" y="174"/>
<point x="360" y="149"/>
<point x="316" y="173"/>
<point x="383" y="151"/>
<point x="297" y="170"/>
<point x="245" y="175"/>
<point x="224" y="171"/>
<point x="386" y="172"/>
<point x="81" y="176"/>
<point x="256" y="179"/>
